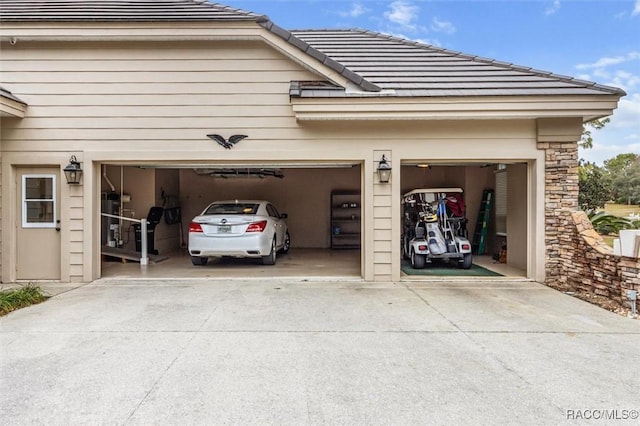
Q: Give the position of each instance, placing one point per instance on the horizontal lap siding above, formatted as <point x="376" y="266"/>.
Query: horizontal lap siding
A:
<point x="85" y="97"/>
<point x="382" y="224"/>
<point x="169" y="88"/>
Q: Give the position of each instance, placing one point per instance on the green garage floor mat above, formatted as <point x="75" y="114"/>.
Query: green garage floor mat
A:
<point x="448" y="270"/>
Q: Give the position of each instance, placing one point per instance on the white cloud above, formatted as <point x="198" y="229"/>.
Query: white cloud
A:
<point x="357" y="9"/>
<point x="627" y="114"/>
<point x="442" y="26"/>
<point x="430" y="42"/>
<point x="555" y="6"/>
<point x="609" y="69"/>
<point x="610" y="61"/>
<point x="403" y="13"/>
<point x="625" y="80"/>
<point x="636" y="8"/>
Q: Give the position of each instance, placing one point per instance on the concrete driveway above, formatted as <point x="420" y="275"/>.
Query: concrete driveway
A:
<point x="256" y="352"/>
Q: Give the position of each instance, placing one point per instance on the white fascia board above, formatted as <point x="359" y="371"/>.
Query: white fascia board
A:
<point x="469" y="108"/>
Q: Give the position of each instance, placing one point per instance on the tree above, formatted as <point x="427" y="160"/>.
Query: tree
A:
<point x="626" y="181"/>
<point x="618" y="164"/>
<point x="587" y="140"/>
<point x="594" y="187"/>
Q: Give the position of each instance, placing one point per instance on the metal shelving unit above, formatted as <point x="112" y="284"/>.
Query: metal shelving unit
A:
<point x="346" y="216"/>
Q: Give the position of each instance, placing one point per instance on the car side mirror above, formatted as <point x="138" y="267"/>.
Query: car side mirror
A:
<point x="284" y="216"/>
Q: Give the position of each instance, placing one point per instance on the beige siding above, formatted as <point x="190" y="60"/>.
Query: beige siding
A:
<point x="133" y="103"/>
<point x="96" y="93"/>
<point x="76" y="222"/>
<point x="383" y="261"/>
<point x="97" y="97"/>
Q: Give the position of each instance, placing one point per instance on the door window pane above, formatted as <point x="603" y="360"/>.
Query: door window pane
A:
<point x="39" y="188"/>
<point x="38" y="201"/>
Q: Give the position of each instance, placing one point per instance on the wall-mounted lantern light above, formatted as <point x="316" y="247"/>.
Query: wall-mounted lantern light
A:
<point x="384" y="170"/>
<point x="73" y="171"/>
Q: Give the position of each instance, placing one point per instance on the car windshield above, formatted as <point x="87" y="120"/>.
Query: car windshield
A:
<point x="232" y="208"/>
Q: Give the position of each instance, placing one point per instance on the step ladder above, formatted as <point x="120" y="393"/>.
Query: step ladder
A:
<point x="479" y="244"/>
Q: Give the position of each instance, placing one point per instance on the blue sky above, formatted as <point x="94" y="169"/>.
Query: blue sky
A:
<point x="588" y="39"/>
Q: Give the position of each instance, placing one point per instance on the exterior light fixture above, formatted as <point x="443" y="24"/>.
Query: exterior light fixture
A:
<point x="73" y="171"/>
<point x="384" y="170"/>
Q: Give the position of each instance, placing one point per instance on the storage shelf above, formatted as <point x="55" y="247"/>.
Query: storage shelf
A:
<point x="345" y="219"/>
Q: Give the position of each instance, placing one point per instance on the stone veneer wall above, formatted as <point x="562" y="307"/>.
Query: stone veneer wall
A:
<point x="561" y="199"/>
<point x="588" y="263"/>
<point x="576" y="255"/>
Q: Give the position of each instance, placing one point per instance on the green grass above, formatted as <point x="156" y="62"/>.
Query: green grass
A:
<point x="609" y="239"/>
<point x="621" y="210"/>
<point x="17" y="298"/>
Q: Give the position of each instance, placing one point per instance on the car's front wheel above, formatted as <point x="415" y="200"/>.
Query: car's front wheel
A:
<point x="270" y="259"/>
<point x="199" y="261"/>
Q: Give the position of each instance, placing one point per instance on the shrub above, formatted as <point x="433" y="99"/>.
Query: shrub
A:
<point x="608" y="224"/>
<point x="13" y="299"/>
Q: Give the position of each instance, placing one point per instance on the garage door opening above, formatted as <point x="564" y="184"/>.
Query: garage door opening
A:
<point x="172" y="195"/>
<point x="494" y="199"/>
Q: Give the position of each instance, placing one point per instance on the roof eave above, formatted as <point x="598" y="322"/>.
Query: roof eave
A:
<point x="11" y="105"/>
<point x="449" y="108"/>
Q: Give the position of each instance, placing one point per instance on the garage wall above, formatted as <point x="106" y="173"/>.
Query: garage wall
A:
<point x="167" y="236"/>
<point x="304" y="194"/>
<point x="145" y="186"/>
<point x="517" y="238"/>
<point x="139" y="184"/>
<point x="477" y="179"/>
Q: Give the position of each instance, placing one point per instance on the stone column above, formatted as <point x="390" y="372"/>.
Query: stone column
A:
<point x="559" y="138"/>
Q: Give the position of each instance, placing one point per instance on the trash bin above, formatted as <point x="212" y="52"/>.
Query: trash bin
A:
<point x="153" y="218"/>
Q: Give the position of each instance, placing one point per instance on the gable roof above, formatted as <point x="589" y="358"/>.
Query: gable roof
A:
<point x="411" y="68"/>
<point x="377" y="64"/>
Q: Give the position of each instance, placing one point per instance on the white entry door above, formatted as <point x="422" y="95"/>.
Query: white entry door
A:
<point x="38" y="225"/>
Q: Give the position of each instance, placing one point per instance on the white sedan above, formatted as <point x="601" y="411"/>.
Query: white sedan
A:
<point x="238" y="228"/>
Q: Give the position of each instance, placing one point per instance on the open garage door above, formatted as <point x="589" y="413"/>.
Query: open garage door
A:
<point x="171" y="195"/>
<point x="484" y="205"/>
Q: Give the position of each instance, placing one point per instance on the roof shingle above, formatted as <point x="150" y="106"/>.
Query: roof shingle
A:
<point x="118" y="10"/>
<point x="375" y="62"/>
<point x="414" y="69"/>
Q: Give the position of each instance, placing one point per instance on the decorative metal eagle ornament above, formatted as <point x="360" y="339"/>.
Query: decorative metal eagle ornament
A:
<point x="227" y="144"/>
